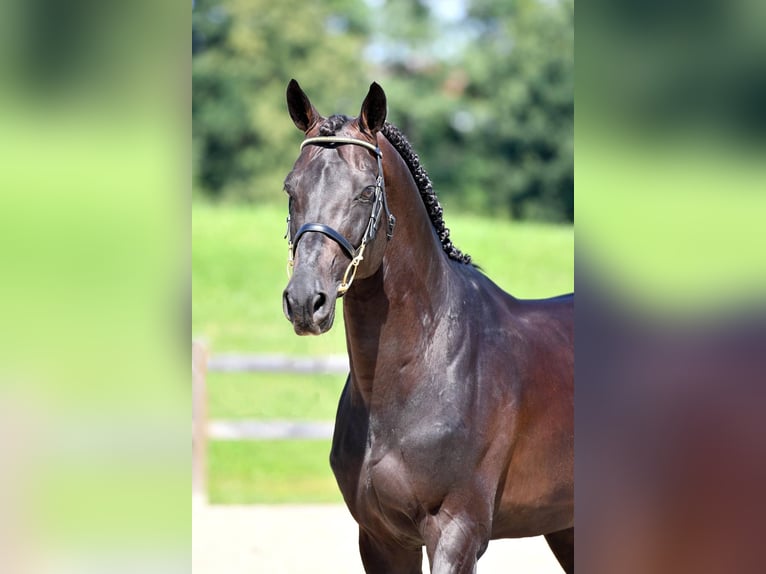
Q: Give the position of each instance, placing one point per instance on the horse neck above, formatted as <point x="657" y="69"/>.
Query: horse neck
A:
<point x="400" y="302"/>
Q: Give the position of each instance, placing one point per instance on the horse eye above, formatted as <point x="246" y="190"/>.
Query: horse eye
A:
<point x="367" y="193"/>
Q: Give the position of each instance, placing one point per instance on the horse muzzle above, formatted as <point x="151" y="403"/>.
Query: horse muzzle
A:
<point x="308" y="307"/>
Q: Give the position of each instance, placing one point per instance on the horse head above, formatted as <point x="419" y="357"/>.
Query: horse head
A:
<point x="337" y="202"/>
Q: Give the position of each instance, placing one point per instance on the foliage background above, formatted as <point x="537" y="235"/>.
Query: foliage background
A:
<point x="482" y="88"/>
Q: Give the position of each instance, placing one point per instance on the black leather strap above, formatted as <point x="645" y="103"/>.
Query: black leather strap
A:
<point x="329" y="232"/>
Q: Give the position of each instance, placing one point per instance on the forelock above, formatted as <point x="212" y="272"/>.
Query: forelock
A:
<point x="332" y="124"/>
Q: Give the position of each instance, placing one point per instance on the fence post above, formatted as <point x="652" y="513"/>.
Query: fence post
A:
<point x="199" y="420"/>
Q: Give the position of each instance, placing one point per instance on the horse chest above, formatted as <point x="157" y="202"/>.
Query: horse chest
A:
<point x="404" y="474"/>
<point x="389" y="495"/>
<point x="398" y="461"/>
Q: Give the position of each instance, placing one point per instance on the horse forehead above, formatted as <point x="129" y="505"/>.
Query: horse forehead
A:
<point x="335" y="165"/>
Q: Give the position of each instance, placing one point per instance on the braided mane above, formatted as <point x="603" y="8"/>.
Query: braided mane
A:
<point x="435" y="212"/>
<point x="426" y="189"/>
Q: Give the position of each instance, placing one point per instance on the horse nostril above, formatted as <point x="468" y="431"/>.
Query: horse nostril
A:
<point x="286" y="306"/>
<point x="319" y="302"/>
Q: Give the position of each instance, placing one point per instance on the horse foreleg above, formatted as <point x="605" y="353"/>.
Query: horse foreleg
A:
<point x="454" y="545"/>
<point x="380" y="557"/>
<point x="562" y="544"/>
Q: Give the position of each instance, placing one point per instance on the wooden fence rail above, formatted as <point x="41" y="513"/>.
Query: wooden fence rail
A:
<point x="204" y="429"/>
<point x="269" y="430"/>
<point x="232" y="363"/>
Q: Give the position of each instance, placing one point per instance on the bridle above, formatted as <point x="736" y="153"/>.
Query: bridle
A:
<point x="378" y="204"/>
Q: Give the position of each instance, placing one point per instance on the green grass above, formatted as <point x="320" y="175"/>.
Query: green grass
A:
<point x="271" y="472"/>
<point x="273" y="396"/>
<point x="238" y="274"/>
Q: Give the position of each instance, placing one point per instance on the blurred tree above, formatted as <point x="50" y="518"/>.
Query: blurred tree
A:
<point x="485" y="94"/>
<point x="404" y="48"/>
<point x="489" y="100"/>
<point x="244" y="54"/>
<point x="418" y="63"/>
<point x="520" y="107"/>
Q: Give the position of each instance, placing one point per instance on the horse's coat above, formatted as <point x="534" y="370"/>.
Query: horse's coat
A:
<point x="455" y="425"/>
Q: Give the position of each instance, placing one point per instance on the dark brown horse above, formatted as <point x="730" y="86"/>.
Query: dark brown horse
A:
<point x="456" y="422"/>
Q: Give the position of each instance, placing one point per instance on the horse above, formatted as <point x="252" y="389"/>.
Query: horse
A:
<point x="456" y="422"/>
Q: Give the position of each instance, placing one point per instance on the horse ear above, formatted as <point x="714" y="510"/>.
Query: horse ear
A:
<point x="373" y="114"/>
<point x="302" y="112"/>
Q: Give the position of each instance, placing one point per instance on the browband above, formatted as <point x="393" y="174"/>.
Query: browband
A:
<point x="341" y="140"/>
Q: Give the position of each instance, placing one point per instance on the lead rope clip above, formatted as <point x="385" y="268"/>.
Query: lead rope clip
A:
<point x="289" y="250"/>
<point x="345" y="284"/>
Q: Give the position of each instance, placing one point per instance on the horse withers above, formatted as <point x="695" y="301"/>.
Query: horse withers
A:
<point x="455" y="425"/>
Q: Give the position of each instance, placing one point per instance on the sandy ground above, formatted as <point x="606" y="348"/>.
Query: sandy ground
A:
<point x="317" y="539"/>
